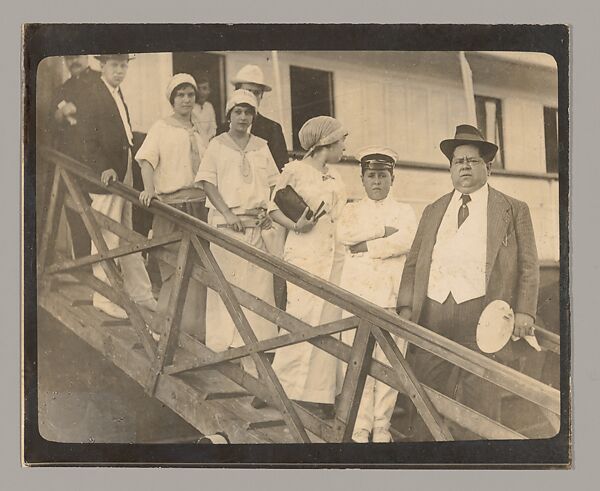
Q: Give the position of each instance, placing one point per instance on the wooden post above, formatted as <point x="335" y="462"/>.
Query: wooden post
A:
<point x="354" y="381"/>
<point x="48" y="239"/>
<point x="170" y="331"/>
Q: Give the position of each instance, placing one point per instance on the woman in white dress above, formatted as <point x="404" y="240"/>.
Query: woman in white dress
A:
<point x="307" y="373"/>
<point x="237" y="173"/>
<point x="169" y="159"/>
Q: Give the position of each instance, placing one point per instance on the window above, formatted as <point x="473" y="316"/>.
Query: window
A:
<point x="312" y="95"/>
<point x="551" y="138"/>
<point x="489" y="122"/>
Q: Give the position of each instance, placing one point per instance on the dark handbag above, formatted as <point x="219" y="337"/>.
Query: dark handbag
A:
<point x="291" y="203"/>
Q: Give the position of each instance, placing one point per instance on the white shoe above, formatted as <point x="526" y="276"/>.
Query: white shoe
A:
<point x="150" y="304"/>
<point x="154" y="335"/>
<point x="111" y="309"/>
<point x="381" y="435"/>
<point x="360" y="436"/>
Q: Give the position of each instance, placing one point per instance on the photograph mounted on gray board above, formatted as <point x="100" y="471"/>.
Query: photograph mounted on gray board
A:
<point x="324" y="235"/>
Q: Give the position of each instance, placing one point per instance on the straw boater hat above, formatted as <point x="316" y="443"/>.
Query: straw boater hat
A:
<point x="469" y="135"/>
<point x="115" y="56"/>
<point x="377" y="158"/>
<point x="251" y="74"/>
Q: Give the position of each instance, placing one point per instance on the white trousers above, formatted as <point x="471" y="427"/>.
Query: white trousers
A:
<point x="378" y="400"/>
<point x="135" y="277"/>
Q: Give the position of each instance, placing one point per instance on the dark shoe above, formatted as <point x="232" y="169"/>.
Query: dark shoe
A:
<point x="258" y="403"/>
<point x="320" y="410"/>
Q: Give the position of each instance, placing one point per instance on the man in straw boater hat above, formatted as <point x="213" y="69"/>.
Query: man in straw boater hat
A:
<point x="473" y="246"/>
<point x="377" y="232"/>
<point x="108" y="140"/>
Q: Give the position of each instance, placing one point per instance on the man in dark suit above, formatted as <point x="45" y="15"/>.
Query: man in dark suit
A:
<point x="66" y="136"/>
<point x="108" y="140"/>
<point x="473" y="245"/>
<point x="251" y="78"/>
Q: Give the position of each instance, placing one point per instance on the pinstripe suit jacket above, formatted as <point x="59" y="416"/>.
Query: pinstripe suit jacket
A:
<point x="512" y="270"/>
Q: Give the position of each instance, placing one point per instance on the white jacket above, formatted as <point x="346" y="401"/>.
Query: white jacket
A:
<point x="375" y="275"/>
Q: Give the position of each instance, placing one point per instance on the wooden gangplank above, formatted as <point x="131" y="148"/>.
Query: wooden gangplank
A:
<point x="204" y="398"/>
<point x="211" y="390"/>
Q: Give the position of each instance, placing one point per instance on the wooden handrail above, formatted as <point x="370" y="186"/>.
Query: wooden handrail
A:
<point x="467" y="359"/>
<point x="377" y="322"/>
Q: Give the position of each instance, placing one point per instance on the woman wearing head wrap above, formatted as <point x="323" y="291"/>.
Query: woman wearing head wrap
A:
<point x="307" y="373"/>
<point x="237" y="173"/>
<point x="169" y="159"/>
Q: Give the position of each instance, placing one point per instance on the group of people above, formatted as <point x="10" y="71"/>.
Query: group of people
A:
<point x="472" y="246"/>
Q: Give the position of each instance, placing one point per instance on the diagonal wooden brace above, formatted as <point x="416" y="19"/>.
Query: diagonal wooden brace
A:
<point x="172" y="317"/>
<point x="418" y="396"/>
<point x="267" y="344"/>
<point x="264" y="368"/>
<point x="110" y="268"/>
<point x="115" y="253"/>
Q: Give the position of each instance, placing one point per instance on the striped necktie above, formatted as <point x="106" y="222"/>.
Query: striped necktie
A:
<point x="463" y="211"/>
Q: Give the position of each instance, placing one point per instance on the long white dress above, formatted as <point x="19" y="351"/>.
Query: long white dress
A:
<point x="375" y="276"/>
<point x="306" y="372"/>
<point x="243" y="178"/>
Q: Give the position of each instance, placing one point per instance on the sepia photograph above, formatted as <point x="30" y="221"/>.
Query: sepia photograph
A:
<point x="314" y="237"/>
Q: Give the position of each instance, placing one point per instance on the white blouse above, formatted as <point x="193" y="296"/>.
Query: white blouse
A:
<point x="168" y="149"/>
<point x="242" y="176"/>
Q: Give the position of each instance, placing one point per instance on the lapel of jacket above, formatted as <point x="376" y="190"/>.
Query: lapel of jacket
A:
<point x="111" y="109"/>
<point x="498" y="218"/>
<point x="125" y="106"/>
<point x="436" y="214"/>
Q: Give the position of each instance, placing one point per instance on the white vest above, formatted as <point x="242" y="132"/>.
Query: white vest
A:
<point x="459" y="255"/>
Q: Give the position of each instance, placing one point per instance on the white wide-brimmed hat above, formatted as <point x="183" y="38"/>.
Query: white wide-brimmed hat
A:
<point x="251" y="74"/>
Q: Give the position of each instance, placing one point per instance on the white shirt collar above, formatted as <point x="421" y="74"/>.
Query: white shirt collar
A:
<point x="113" y="90"/>
<point x="479" y="196"/>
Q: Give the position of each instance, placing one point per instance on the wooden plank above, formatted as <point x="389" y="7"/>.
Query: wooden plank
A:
<point x="109" y="266"/>
<point x="548" y="340"/>
<point x="175" y="393"/>
<point x="210" y="381"/>
<point x="473" y="421"/>
<point x="211" y="396"/>
<point x="412" y="387"/>
<point x="267" y="344"/>
<point x="354" y="381"/>
<point x="263" y="365"/>
<point x="312" y="423"/>
<point x="48" y="240"/>
<point x="121" y="251"/>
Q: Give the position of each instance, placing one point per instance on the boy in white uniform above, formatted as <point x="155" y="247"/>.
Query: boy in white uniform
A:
<point x="377" y="232"/>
